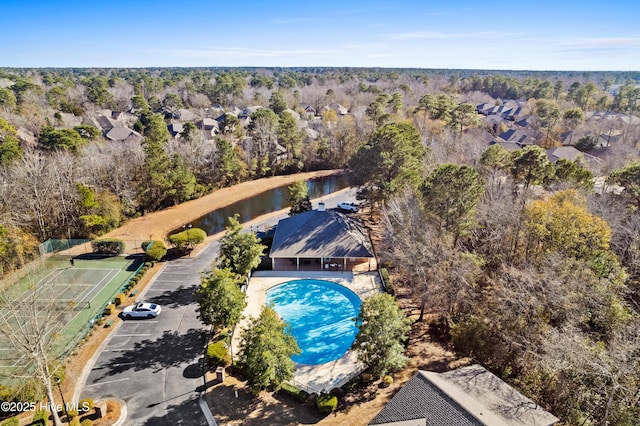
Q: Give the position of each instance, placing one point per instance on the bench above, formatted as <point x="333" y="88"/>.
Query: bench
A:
<point x="133" y="293"/>
<point x="109" y="323"/>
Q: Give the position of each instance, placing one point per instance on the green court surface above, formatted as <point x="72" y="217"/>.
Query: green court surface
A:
<point x="74" y="294"/>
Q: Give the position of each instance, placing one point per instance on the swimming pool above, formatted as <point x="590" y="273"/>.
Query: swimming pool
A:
<point x="322" y="317"/>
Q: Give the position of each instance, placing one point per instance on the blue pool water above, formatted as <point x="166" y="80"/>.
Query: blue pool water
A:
<point x="321" y="315"/>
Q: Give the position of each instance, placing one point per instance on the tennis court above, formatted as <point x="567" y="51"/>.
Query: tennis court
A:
<point x="60" y="302"/>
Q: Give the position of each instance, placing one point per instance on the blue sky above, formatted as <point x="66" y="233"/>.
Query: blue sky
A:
<point x="525" y="35"/>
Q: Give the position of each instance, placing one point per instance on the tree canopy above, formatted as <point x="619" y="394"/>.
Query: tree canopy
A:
<point x="266" y="351"/>
<point x="239" y="251"/>
<point x="382" y="329"/>
<point x="220" y="299"/>
<point x="388" y="162"/>
<point x="451" y="192"/>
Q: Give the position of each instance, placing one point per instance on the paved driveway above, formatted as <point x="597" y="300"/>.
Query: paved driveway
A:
<point x="156" y="365"/>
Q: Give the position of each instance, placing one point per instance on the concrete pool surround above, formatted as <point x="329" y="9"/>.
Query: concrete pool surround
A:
<point x="310" y="377"/>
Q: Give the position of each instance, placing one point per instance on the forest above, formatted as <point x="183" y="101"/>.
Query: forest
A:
<point x="508" y="201"/>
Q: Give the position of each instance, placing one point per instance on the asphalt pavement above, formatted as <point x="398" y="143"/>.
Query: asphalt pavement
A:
<point x="157" y="365"/>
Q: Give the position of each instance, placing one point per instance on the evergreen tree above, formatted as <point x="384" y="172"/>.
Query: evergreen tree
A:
<point x="266" y="351"/>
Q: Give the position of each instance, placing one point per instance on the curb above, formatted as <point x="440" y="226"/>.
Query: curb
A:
<point x="205" y="410"/>
<point x="123" y="411"/>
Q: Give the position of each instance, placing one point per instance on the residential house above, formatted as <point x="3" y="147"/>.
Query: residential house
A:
<point x="208" y="126"/>
<point x="467" y="396"/>
<point x="308" y="109"/>
<point x="321" y="240"/>
<point x="175" y="129"/>
<point x="565" y="152"/>
<point x="103" y="123"/>
<point x="121" y="134"/>
<point x="479" y="135"/>
<point x="521" y="137"/>
<point x="339" y="109"/>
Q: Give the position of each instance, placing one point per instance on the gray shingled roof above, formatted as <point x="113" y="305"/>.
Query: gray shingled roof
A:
<point x="121" y="133"/>
<point x="421" y="399"/>
<point x="470" y="395"/>
<point x="567" y="152"/>
<point x="320" y="234"/>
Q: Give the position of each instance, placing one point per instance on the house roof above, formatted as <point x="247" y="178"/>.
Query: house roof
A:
<point x="121" y="133"/>
<point x="466" y="396"/>
<point x="519" y="136"/>
<point x="207" y="124"/>
<point x="326" y="233"/>
<point x="479" y="135"/>
<point x="175" y="129"/>
<point x="566" y="152"/>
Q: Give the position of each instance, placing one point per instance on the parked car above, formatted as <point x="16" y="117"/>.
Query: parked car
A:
<point x="350" y="207"/>
<point x="142" y="310"/>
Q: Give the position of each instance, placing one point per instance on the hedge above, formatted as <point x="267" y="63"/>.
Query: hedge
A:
<point x="110" y="309"/>
<point x="119" y="299"/>
<point x="298" y="394"/>
<point x="327" y="403"/>
<point x="108" y="246"/>
<point x="155" y="250"/>
<point x="188" y="238"/>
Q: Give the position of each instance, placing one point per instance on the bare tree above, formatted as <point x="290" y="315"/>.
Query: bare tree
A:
<point x="29" y="323"/>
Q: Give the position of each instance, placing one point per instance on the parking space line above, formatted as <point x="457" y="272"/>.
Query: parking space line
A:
<point x="132" y="335"/>
<point x="106" y="383"/>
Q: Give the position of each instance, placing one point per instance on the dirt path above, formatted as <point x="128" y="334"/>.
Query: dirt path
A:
<point x="156" y="225"/>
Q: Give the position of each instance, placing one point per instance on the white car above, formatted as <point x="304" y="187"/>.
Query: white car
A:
<point x="142" y="310"/>
<point x="350" y="207"/>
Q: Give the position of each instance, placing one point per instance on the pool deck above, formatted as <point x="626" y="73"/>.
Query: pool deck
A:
<point x="311" y="378"/>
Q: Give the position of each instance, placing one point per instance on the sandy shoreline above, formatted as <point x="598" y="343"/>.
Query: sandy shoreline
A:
<point x="156" y="225"/>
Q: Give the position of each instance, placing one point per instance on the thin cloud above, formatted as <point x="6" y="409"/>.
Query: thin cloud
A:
<point x="241" y="52"/>
<point x="435" y="35"/>
<point x="603" y="42"/>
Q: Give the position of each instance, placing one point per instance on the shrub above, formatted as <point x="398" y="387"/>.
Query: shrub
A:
<point x="218" y="354"/>
<point x="387" y="381"/>
<point x="86" y="422"/>
<point x="40" y="417"/>
<point x="297" y="394"/>
<point x="73" y="413"/>
<point x="156" y="250"/>
<point x="110" y="309"/>
<point x="108" y="246"/>
<point x="13" y="421"/>
<point x="86" y="404"/>
<point x="74" y="421"/>
<point x="134" y="280"/>
<point x="119" y="299"/>
<point x="145" y="244"/>
<point x="327" y="403"/>
<point x="188" y="238"/>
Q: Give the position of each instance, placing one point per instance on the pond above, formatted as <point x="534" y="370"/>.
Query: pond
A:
<point x="266" y="202"/>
